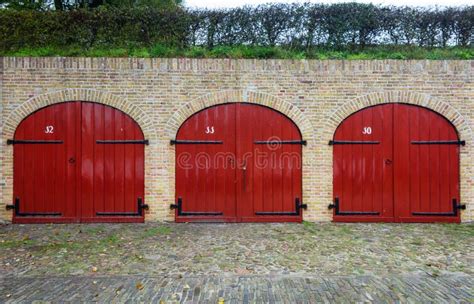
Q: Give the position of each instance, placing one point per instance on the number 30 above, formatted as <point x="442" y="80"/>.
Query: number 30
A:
<point x="367" y="130"/>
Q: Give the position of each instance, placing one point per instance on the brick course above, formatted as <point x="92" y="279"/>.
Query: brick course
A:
<point x="161" y="93"/>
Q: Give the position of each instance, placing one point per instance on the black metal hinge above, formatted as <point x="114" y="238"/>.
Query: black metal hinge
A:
<point x="140" y="207"/>
<point x="179" y="207"/>
<point x="16" y="208"/>
<point x="32" y="142"/>
<point x="280" y="142"/>
<point x="440" y="142"/>
<point x="335" y="206"/>
<point x="352" y="142"/>
<point x="456" y="207"/>
<point x="127" y="142"/>
<point x="298" y="207"/>
<point x="196" y="142"/>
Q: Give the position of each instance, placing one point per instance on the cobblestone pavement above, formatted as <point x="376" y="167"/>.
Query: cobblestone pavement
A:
<point x="241" y="289"/>
<point x="289" y="262"/>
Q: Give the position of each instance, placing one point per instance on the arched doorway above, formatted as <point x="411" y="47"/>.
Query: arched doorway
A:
<point x="396" y="163"/>
<point x="78" y="162"/>
<point x="238" y="162"/>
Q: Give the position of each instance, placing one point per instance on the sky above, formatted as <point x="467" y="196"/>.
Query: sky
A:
<point x="235" y="3"/>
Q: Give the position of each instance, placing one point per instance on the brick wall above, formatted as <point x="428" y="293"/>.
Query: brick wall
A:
<point x="161" y="93"/>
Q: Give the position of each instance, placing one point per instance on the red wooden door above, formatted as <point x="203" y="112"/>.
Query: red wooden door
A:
<point x="396" y="163"/>
<point x="269" y="154"/>
<point x="112" y="157"/>
<point x="205" y="166"/>
<point x="238" y="162"/>
<point x="78" y="161"/>
<point x="427" y="171"/>
<point x="45" y="165"/>
<point x="363" y="168"/>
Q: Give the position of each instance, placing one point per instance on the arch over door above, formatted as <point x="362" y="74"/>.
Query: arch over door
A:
<point x="396" y="163"/>
<point x="238" y="162"/>
<point x="78" y="162"/>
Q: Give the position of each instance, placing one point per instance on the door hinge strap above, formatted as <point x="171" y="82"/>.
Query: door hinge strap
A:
<point x="335" y="206"/>
<point x="280" y="142"/>
<point x="132" y="142"/>
<point x="352" y="142"/>
<point x="16" y="208"/>
<point x="440" y="142"/>
<point x="456" y="207"/>
<point x="140" y="207"/>
<point x="196" y="142"/>
<point x="179" y="207"/>
<point x="32" y="142"/>
<point x="297" y="212"/>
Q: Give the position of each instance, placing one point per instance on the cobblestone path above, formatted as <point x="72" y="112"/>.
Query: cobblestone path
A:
<point x="241" y="289"/>
<point x="283" y="263"/>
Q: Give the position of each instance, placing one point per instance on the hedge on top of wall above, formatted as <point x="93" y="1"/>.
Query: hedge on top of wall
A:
<point x="295" y="26"/>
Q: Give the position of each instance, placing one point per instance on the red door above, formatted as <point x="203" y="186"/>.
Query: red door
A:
<point x="396" y="163"/>
<point x="238" y="162"/>
<point x="78" y="162"/>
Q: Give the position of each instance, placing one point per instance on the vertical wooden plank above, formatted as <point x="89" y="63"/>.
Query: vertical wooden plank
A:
<point x="119" y="166"/>
<point x="376" y="160"/>
<point x="434" y="153"/>
<point x="19" y="165"/>
<point x="444" y="175"/>
<point x="414" y="163"/>
<point x="109" y="161"/>
<point x="387" y="142"/>
<point x="71" y="159"/>
<point x="401" y="157"/>
<point x="40" y="163"/>
<point x="130" y="200"/>
<point x="87" y="157"/>
<point x="367" y="158"/>
<point x="285" y="163"/>
<point x="99" y="161"/>
<point x="259" y="161"/>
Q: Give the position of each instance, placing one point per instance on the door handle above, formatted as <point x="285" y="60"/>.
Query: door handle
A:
<point x="388" y="161"/>
<point x="244" y="170"/>
<point x="72" y="160"/>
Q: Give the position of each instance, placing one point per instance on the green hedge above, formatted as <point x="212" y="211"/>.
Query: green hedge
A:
<point x="295" y="27"/>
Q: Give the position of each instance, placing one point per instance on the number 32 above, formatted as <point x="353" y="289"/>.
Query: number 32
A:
<point x="49" y="130"/>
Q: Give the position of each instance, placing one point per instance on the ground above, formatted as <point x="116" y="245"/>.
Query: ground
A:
<point x="238" y="262"/>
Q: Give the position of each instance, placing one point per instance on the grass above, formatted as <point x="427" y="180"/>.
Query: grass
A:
<point x="156" y="231"/>
<point x="252" y="52"/>
<point x="4" y="244"/>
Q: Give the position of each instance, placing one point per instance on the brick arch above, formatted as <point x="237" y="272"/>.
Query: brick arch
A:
<point x="423" y="100"/>
<point x="232" y="96"/>
<point x="446" y="110"/>
<point x="43" y="100"/>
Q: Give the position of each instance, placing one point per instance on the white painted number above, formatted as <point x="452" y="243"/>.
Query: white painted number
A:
<point x="210" y="130"/>
<point x="367" y="130"/>
<point x="49" y="130"/>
